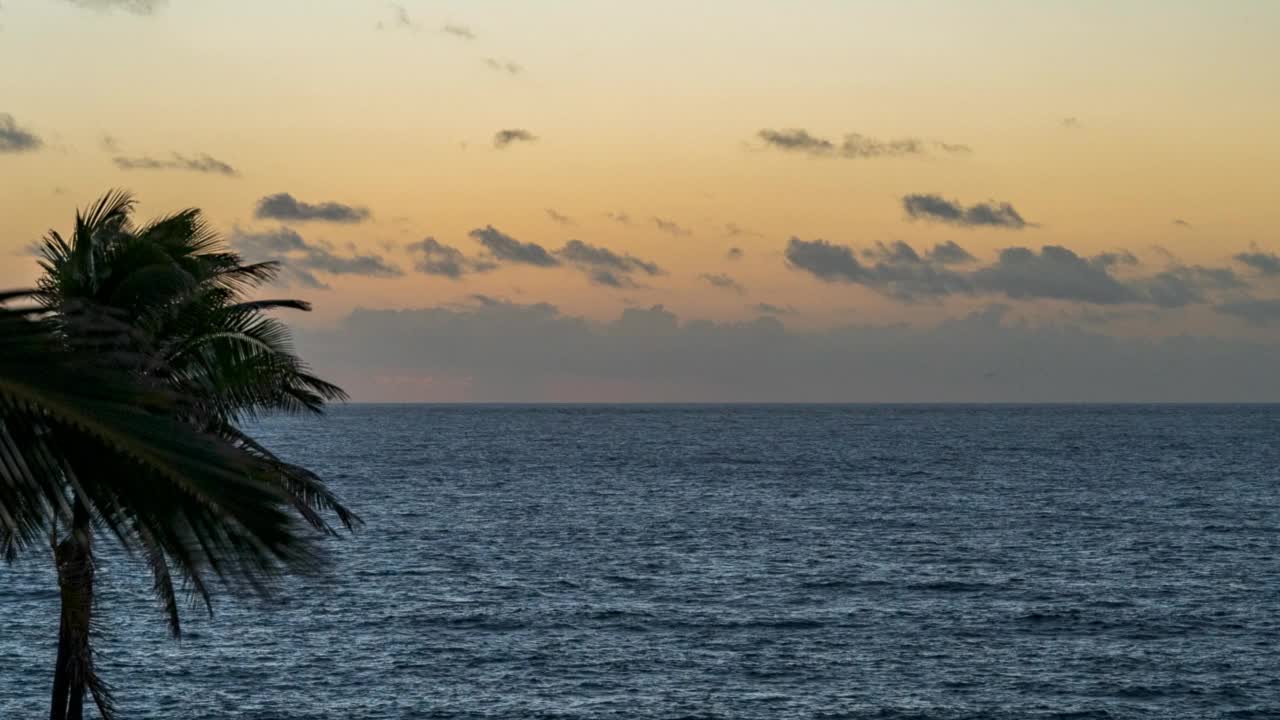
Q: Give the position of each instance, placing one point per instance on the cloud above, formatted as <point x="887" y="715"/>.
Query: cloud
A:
<point x="201" y="163"/>
<point x="502" y="351"/>
<point x="1052" y="273"/>
<point x="771" y="309"/>
<point x="137" y="7"/>
<point x="15" y="139"/>
<point x="939" y="209"/>
<point x="671" y="227"/>
<point x="435" y="258"/>
<point x="301" y="259"/>
<point x="1254" y="312"/>
<point x="460" y="31"/>
<point x="503" y="138"/>
<point x="1072" y="123"/>
<point x="283" y="206"/>
<point x="734" y="230"/>
<point x="506" y="66"/>
<point x="1181" y="223"/>
<point x="1263" y="263"/>
<point x="619" y="217"/>
<point x="853" y="146"/>
<point x="734" y="253"/>
<point x="559" y="218"/>
<point x="604" y="266"/>
<point x="503" y="247"/>
<point x="723" y="282"/>
<point x="109" y="143"/>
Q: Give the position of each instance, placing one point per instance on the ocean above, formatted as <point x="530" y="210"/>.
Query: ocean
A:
<point x="888" y="562"/>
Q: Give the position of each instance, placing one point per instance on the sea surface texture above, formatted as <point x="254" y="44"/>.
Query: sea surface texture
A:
<point x="733" y="562"/>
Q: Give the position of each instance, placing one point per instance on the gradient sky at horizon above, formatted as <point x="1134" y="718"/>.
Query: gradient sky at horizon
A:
<point x="1139" y="136"/>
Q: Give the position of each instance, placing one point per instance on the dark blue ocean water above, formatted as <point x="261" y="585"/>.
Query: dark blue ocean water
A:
<point x="736" y="562"/>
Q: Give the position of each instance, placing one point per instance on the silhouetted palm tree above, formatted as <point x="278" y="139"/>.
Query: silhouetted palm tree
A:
<point x="178" y="323"/>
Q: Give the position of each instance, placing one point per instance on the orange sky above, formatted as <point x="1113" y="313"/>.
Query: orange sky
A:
<point x="1101" y="123"/>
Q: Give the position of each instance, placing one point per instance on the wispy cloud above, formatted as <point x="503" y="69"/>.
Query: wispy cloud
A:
<point x="852" y="146"/>
<point x="604" y="266"/>
<point x="671" y="227"/>
<point x="558" y="218"/>
<point x="503" y="138"/>
<point x="1181" y="223"/>
<point x="283" y="206"/>
<point x="987" y="214"/>
<point x="200" y="163"/>
<point x="621" y="218"/>
<point x="459" y="31"/>
<point x="771" y="309"/>
<point x="734" y="253"/>
<point x="16" y="139"/>
<point x="137" y="7"/>
<point x="723" y="282"/>
<point x="1071" y="123"/>
<point x="504" y="66"/>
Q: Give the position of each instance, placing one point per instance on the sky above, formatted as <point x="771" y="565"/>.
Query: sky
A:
<point x="584" y="201"/>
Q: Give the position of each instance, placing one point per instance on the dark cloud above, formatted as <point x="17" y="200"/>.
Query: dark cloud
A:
<point x="434" y="258"/>
<point x="723" y="282"/>
<point x="502" y="351"/>
<point x="505" y="248"/>
<point x="200" y="163"/>
<point x="302" y="259"/>
<point x="15" y="139"/>
<point x="283" y="206"/>
<point x="734" y="253"/>
<point x="503" y="138"/>
<point x="853" y="146"/>
<point x="137" y="7"/>
<point x="1264" y="263"/>
<point x="461" y="31"/>
<point x="1254" y="312"/>
<point x="505" y="66"/>
<point x="604" y="266"/>
<point x="671" y="227"/>
<point x="1181" y="223"/>
<point x="559" y="218"/>
<point x="939" y="209"/>
<point x="771" y="309"/>
<point x="1019" y="273"/>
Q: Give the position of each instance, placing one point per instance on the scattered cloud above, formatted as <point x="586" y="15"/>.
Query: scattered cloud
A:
<point x="1263" y="263"/>
<point x="301" y="259"/>
<point x="604" y="266"/>
<point x="137" y="7"/>
<point x="1052" y="273"/>
<point x="558" y="218"/>
<point x="503" y="138"/>
<point x="505" y="66"/>
<point x="938" y="209"/>
<point x="1072" y="123"/>
<point x="734" y="253"/>
<point x="853" y="146"/>
<point x="434" y="258"/>
<point x="1181" y="223"/>
<point x="200" y="163"/>
<point x="503" y="247"/>
<point x="283" y="206"/>
<point x="16" y="139"/>
<point x="671" y="227"/>
<point x="723" y="282"/>
<point x="735" y="230"/>
<point x="619" y="217"/>
<point x="460" y="31"/>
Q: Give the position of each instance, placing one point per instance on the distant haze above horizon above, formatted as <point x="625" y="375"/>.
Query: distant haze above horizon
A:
<point x="578" y="201"/>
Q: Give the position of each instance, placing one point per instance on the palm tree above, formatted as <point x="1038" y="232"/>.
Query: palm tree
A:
<point x="174" y="300"/>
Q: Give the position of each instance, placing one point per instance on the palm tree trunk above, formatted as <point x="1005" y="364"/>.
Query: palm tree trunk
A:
<point x="74" y="556"/>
